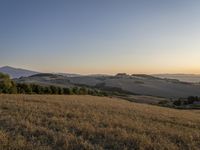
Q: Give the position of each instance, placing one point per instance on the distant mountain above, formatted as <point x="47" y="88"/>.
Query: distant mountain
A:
<point x="182" y="77"/>
<point x="17" y="72"/>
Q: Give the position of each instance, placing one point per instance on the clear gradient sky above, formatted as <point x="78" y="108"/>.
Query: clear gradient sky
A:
<point x="101" y="36"/>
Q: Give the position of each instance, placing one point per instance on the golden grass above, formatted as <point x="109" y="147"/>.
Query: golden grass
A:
<point x="85" y="122"/>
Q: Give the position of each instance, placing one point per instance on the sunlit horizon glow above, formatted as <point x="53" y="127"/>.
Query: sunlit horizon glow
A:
<point x="101" y="37"/>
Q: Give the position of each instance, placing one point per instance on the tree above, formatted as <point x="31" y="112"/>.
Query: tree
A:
<point x="67" y="91"/>
<point x="60" y="90"/>
<point x="177" y="102"/>
<point x="37" y="89"/>
<point x="83" y="91"/>
<point x="47" y="90"/>
<point x="75" y="90"/>
<point x="192" y="99"/>
<point x="54" y="90"/>
<point x="24" y="88"/>
<point x="6" y="84"/>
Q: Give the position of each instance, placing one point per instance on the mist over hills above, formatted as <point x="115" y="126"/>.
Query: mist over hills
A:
<point x="182" y="77"/>
<point x="142" y="85"/>
<point x="136" y="84"/>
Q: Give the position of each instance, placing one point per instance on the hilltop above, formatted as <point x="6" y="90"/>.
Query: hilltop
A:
<point x="17" y="72"/>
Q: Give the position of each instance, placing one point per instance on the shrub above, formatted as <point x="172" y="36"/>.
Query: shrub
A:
<point x="75" y="90"/>
<point x="24" y="88"/>
<point x="83" y="91"/>
<point x="177" y="102"/>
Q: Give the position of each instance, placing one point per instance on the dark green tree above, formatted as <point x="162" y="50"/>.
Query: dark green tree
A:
<point x="54" y="89"/>
<point x="75" y="90"/>
<point x="60" y="90"/>
<point x="6" y="84"/>
<point x="177" y="102"/>
<point x="83" y="91"/>
<point x="67" y="91"/>
<point x="23" y="88"/>
<point x="47" y="90"/>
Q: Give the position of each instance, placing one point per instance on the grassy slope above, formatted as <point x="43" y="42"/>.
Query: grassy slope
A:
<point x="86" y="122"/>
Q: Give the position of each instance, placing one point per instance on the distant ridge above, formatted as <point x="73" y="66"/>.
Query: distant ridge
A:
<point x="136" y="84"/>
<point x="182" y="77"/>
<point x="17" y="72"/>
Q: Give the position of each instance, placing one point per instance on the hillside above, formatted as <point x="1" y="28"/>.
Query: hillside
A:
<point x="17" y="72"/>
<point x="87" y="122"/>
<point x="136" y="84"/>
<point x="46" y="79"/>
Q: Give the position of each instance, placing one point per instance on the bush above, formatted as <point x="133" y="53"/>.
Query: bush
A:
<point x="54" y="90"/>
<point x="177" y="102"/>
<point x="24" y="88"/>
<point x="83" y="91"/>
<point x="67" y="91"/>
<point x="47" y="90"/>
<point x="75" y="90"/>
<point x="60" y="90"/>
<point x="192" y="99"/>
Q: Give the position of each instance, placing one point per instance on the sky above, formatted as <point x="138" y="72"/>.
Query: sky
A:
<point x="101" y="36"/>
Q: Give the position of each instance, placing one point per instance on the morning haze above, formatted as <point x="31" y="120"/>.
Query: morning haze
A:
<point x="101" y="36"/>
<point x="99" y="74"/>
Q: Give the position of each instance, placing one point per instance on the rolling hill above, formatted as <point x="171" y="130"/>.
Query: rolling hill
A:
<point x="17" y="72"/>
<point x="135" y="84"/>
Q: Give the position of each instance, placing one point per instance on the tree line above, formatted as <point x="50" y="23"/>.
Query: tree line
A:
<point x="188" y="101"/>
<point x="8" y="86"/>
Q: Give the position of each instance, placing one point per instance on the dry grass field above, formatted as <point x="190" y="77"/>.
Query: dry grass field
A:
<point x="33" y="122"/>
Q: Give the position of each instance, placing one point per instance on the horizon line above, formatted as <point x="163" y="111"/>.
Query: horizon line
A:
<point x="57" y="72"/>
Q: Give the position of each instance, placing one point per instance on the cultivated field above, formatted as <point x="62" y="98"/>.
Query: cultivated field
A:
<point x="87" y="122"/>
